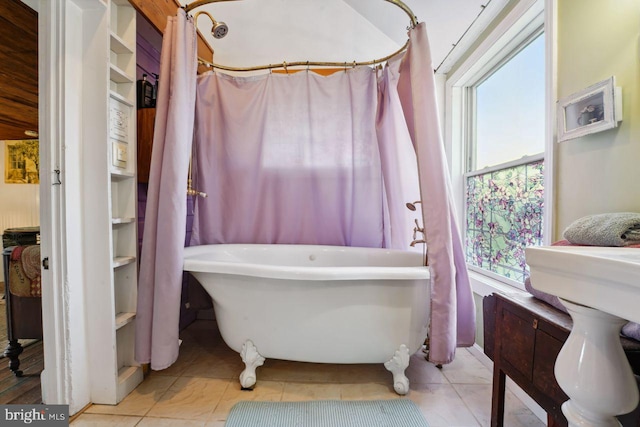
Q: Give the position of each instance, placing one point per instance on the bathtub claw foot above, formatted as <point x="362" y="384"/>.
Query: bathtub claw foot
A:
<point x="252" y="360"/>
<point x="397" y="365"/>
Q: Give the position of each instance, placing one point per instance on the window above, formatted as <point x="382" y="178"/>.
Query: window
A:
<point x="503" y="183"/>
<point x="16" y="160"/>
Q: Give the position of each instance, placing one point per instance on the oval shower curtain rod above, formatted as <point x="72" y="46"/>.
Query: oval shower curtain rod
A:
<point x="217" y="26"/>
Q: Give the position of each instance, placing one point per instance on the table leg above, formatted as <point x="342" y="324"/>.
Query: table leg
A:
<point x="498" y="396"/>
<point x="12" y="352"/>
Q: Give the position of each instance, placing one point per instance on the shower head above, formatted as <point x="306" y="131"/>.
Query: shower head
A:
<point x="218" y="29"/>
<point x="412" y="206"/>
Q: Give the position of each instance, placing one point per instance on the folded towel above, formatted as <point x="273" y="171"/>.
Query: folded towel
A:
<point x="631" y="330"/>
<point x="543" y="296"/>
<point x="611" y="229"/>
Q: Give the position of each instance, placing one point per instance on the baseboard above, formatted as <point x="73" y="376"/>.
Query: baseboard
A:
<point x="73" y="417"/>
<point x="478" y="352"/>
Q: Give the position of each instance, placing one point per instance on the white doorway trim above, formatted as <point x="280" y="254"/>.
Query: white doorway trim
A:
<point x="56" y="375"/>
<point x="62" y="27"/>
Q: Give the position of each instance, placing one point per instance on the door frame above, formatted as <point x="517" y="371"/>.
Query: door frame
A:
<point x="65" y="378"/>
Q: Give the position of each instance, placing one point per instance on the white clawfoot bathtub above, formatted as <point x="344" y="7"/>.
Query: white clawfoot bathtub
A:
<point x="323" y="304"/>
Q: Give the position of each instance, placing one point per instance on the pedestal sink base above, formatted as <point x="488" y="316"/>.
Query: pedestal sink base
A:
<point x="593" y="370"/>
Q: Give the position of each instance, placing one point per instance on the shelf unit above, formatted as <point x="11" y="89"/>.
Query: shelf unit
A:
<point x="123" y="186"/>
<point x="112" y="193"/>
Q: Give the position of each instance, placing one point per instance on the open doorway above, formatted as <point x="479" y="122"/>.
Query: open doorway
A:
<point x="21" y="352"/>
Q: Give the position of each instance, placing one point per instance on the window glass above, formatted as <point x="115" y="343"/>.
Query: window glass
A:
<point x="504" y="216"/>
<point x="510" y="109"/>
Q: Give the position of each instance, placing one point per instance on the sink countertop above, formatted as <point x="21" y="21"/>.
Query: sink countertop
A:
<point x="604" y="278"/>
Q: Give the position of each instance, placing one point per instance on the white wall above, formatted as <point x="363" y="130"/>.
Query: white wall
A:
<point x="20" y="205"/>
<point x="599" y="173"/>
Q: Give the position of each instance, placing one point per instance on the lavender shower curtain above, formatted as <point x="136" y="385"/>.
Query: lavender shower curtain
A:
<point x="293" y="159"/>
<point x="299" y="158"/>
<point x="160" y="279"/>
<point x="452" y="305"/>
<point x="399" y="164"/>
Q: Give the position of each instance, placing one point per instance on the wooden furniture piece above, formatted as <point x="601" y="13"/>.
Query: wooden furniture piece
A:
<point x="24" y="318"/>
<point x="523" y="336"/>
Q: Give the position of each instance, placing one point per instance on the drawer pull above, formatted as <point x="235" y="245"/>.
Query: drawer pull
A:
<point x="535" y="323"/>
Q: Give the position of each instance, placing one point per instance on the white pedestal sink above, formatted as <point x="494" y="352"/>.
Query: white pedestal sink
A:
<point x="601" y="288"/>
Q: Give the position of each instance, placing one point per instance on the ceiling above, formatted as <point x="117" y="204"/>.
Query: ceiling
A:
<point x="19" y="71"/>
<point x="273" y="31"/>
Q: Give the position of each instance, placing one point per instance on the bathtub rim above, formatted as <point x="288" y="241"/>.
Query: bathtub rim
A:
<point x="301" y="272"/>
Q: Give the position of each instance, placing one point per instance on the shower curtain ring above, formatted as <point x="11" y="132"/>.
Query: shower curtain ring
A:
<point x="345" y="66"/>
<point x="284" y="64"/>
<point x="307" y="66"/>
<point x="354" y="64"/>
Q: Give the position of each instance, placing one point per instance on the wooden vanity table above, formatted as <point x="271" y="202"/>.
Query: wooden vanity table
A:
<point x="523" y="336"/>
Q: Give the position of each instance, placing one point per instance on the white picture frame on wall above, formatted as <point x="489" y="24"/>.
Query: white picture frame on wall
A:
<point x="594" y="109"/>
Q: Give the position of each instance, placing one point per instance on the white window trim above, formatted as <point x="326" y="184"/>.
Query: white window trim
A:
<point x="517" y="26"/>
<point x="506" y="165"/>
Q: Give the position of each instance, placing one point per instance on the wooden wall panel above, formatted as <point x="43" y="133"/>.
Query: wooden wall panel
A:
<point x="157" y="11"/>
<point x="146" y="121"/>
<point x="19" y="70"/>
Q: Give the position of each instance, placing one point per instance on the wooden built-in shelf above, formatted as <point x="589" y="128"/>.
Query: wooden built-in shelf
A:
<point x="123" y="319"/>
<point x="112" y="324"/>
<point x="118" y="97"/>
<point x="119" y="175"/>
<point x="118" y="45"/>
<point x="118" y="75"/>
<point x="121" y="261"/>
<point x="125" y="220"/>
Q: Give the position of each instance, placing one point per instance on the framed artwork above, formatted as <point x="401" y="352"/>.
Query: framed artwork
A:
<point x="22" y="162"/>
<point x="593" y="109"/>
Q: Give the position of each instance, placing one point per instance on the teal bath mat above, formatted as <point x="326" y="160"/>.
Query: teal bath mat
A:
<point x="327" y="413"/>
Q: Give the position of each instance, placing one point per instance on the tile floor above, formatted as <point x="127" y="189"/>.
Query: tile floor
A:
<point x="202" y="386"/>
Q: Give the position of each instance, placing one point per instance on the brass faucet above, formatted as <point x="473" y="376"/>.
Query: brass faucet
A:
<point x="190" y="190"/>
<point x="417" y="229"/>
<point x="417" y="241"/>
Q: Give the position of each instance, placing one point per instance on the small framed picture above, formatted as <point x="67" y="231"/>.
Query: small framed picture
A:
<point x="22" y="162"/>
<point x="594" y="109"/>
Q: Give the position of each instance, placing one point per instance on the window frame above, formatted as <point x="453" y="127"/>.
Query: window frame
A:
<point x="525" y="21"/>
<point x="510" y="51"/>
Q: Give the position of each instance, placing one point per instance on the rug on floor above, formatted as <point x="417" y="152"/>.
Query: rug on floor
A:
<point x="327" y="413"/>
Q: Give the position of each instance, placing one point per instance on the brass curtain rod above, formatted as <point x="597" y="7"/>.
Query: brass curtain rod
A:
<point x="414" y="21"/>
